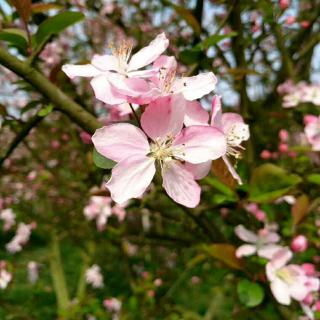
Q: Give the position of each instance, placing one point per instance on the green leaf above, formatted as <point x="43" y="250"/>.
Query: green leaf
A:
<point x="102" y="162"/>
<point x="190" y="56"/>
<point x="269" y="182"/>
<point x="185" y="14"/>
<point x="56" y="24"/>
<point x="250" y="294"/>
<point x="45" y="111"/>
<point x="300" y="209"/>
<point x="214" y="39"/>
<point x="314" y="178"/>
<point x="16" y="37"/>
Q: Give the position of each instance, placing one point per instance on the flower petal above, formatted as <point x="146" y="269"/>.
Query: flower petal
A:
<point x="165" y="62"/>
<point x="199" y="144"/>
<point x="180" y="184"/>
<point x="298" y="291"/>
<point x="105" y="62"/>
<point x="216" y="111"/>
<point x="199" y="170"/>
<point x="104" y="92"/>
<point x="232" y="170"/>
<point x="195" y="87"/>
<point x="81" y="70"/>
<point x="245" y="250"/>
<point x="119" y="141"/>
<point x="281" y="257"/>
<point x="195" y="114"/>
<point x="268" y="251"/>
<point x="280" y="291"/>
<point x="245" y="235"/>
<point x="149" y="53"/>
<point x="164" y="117"/>
<point x="130" y="178"/>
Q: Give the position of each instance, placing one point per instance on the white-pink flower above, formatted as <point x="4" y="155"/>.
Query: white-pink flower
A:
<point x="231" y="124"/>
<point x="21" y="237"/>
<point x="94" y="277"/>
<point x="170" y="147"/>
<point x="263" y="243"/>
<point x="8" y="217"/>
<point x="117" y="77"/>
<point x="100" y="209"/>
<point x="288" y="281"/>
<point x="312" y="131"/>
<point x="5" y="278"/>
<point x="33" y="271"/>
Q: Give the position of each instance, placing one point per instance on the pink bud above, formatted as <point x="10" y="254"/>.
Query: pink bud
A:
<point x="283" y="135"/>
<point x="265" y="154"/>
<point x="283" y="147"/>
<point x="308" y="268"/>
<point x="284" y="4"/>
<point x="305" y="24"/>
<point x="260" y="215"/>
<point x="85" y="137"/>
<point x="292" y="154"/>
<point x="309" y="118"/>
<point x="317" y="305"/>
<point x="252" y="207"/>
<point x="290" y="20"/>
<point x="55" y="144"/>
<point x="145" y="274"/>
<point x="158" y="282"/>
<point x="151" y="293"/>
<point x="299" y="244"/>
<point x="308" y="299"/>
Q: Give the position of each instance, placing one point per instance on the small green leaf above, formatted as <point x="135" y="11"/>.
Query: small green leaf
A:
<point x="214" y="39"/>
<point x="269" y="182"/>
<point x="250" y="294"/>
<point x="190" y="56"/>
<point x="16" y="37"/>
<point x="314" y="178"/>
<point x="45" y="111"/>
<point x="102" y="162"/>
<point x="56" y="24"/>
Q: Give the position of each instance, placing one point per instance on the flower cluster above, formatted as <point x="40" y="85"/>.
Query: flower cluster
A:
<point x="287" y="281"/>
<point x="8" y="217"/>
<point x="177" y="135"/>
<point x="5" y="275"/>
<point x="100" y="209"/>
<point x="294" y="94"/>
<point x="94" y="277"/>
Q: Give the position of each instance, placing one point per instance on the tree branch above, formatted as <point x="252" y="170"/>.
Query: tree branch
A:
<point x="61" y="101"/>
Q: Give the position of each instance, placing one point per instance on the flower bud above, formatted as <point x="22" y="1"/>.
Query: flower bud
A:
<point x="299" y="244"/>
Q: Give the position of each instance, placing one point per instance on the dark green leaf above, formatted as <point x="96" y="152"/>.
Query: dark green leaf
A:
<point x="56" y="24"/>
<point x="250" y="294"/>
<point x="314" y="178"/>
<point x="190" y="56"/>
<point x="270" y="182"/>
<point x="102" y="162"/>
<point x="17" y="37"/>
<point x="45" y="111"/>
<point x="214" y="39"/>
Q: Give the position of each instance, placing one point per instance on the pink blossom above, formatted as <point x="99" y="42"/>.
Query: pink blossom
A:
<point x="5" y="276"/>
<point x="305" y="24"/>
<point x="94" y="277"/>
<point x="231" y="124"/>
<point x="112" y="304"/>
<point x="265" y="154"/>
<point x="284" y="135"/>
<point x="263" y="243"/>
<point x="288" y="281"/>
<point x="299" y="244"/>
<point x="284" y="4"/>
<point x="312" y="131"/>
<point x="100" y="209"/>
<point x="21" y="237"/>
<point x="8" y="217"/>
<point x="117" y="77"/>
<point x="283" y="147"/>
<point x="309" y="269"/>
<point x="171" y="145"/>
<point x="85" y="137"/>
<point x="290" y="20"/>
<point x="33" y="271"/>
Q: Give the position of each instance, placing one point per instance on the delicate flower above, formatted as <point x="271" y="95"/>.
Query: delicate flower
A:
<point x="5" y="278"/>
<point x="263" y="243"/>
<point x="171" y="146"/>
<point x="231" y="124"/>
<point x="112" y="304"/>
<point x="117" y="76"/>
<point x="299" y="244"/>
<point x="288" y="281"/>
<point x="100" y="208"/>
<point x="33" y="271"/>
<point x="312" y="131"/>
<point x="8" y="217"/>
<point x="284" y="4"/>
<point x="94" y="277"/>
<point x="21" y="237"/>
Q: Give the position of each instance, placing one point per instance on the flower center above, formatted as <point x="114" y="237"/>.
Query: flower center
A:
<point x="286" y="275"/>
<point x="235" y="135"/>
<point x="166" y="79"/>
<point x="162" y="150"/>
<point x="123" y="53"/>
